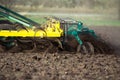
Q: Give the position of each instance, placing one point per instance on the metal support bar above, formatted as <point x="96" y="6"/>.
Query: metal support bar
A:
<point x="18" y="15"/>
<point x="15" y="19"/>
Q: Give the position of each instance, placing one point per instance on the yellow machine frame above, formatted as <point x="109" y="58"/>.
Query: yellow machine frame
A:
<point x="51" y="29"/>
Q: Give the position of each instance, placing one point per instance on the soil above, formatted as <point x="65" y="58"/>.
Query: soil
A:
<point x="110" y="35"/>
<point x="65" y="65"/>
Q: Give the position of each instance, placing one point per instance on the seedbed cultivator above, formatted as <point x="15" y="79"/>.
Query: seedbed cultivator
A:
<point x="20" y="34"/>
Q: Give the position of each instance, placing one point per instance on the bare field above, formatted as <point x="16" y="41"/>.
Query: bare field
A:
<point x="65" y="65"/>
<point x="111" y="35"/>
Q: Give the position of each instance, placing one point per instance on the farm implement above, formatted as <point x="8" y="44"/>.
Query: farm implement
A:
<point x="19" y="34"/>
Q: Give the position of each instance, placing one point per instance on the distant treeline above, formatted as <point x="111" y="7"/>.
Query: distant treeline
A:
<point x="62" y="3"/>
<point x="110" y="5"/>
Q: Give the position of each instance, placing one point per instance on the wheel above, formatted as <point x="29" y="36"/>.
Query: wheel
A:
<point x="86" y="48"/>
<point x="82" y="49"/>
<point x="78" y="48"/>
<point x="90" y="48"/>
<point x="26" y="44"/>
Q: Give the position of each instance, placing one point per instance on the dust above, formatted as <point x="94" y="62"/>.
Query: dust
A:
<point x="110" y="35"/>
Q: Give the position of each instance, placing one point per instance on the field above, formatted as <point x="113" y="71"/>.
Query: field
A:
<point x="87" y="19"/>
<point x="67" y="65"/>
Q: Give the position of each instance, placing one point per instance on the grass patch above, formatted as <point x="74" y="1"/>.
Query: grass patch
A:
<point x="87" y="22"/>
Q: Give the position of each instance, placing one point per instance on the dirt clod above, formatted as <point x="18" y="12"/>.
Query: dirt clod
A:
<point x="67" y="66"/>
<point x="2" y="77"/>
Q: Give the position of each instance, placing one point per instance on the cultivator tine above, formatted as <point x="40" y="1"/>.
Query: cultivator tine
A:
<point x="90" y="48"/>
<point x="49" y="48"/>
<point x="32" y="50"/>
<point x="78" y="48"/>
<point x="14" y="49"/>
<point x="2" y="49"/>
<point x="22" y="40"/>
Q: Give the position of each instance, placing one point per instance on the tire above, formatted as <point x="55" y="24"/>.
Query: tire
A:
<point x="86" y="48"/>
<point x="90" y="48"/>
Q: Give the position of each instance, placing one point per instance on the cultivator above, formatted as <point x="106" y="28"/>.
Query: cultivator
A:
<point x="18" y="33"/>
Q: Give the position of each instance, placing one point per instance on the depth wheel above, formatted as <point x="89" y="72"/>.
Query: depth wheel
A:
<point x="90" y="48"/>
<point x="86" y="48"/>
<point x="82" y="49"/>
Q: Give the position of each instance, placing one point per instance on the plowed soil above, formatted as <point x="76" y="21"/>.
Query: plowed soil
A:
<point x="65" y="65"/>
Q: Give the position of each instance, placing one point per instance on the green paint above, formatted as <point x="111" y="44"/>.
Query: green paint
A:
<point x="18" y="15"/>
<point x="80" y="29"/>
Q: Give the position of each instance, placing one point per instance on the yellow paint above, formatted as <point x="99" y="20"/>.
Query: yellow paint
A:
<point x="51" y="29"/>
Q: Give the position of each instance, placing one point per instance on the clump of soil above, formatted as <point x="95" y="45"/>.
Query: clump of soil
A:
<point x="64" y="65"/>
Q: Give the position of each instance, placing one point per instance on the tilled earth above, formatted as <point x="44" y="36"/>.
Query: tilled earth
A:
<point x="63" y="65"/>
